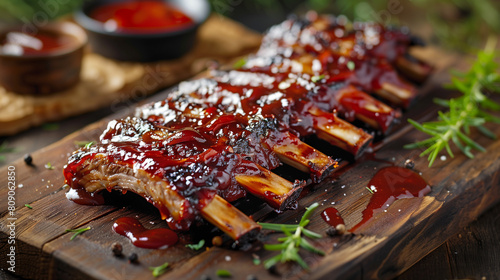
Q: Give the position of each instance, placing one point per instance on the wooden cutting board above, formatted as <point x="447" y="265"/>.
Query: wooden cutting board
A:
<point x="384" y="247"/>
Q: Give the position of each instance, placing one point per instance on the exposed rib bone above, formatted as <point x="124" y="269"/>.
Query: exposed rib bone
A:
<point x="413" y="68"/>
<point x="101" y="174"/>
<point x="339" y="132"/>
<point x="301" y="156"/>
<point x="367" y="109"/>
<point x="229" y="219"/>
<point x="276" y="191"/>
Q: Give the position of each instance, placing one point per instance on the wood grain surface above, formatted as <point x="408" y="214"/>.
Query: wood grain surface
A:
<point x="472" y="253"/>
<point x="389" y="244"/>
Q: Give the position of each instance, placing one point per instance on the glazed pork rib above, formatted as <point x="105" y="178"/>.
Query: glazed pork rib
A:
<point x="347" y="101"/>
<point x="249" y="93"/>
<point x="181" y="174"/>
<point x="360" y="54"/>
<point x="255" y="137"/>
<point x="215" y="139"/>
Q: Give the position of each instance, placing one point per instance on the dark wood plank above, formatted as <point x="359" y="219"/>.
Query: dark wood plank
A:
<point x="472" y="253"/>
<point x="433" y="266"/>
<point x="469" y="253"/>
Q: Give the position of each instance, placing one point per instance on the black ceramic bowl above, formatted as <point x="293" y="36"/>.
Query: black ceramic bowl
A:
<point x="143" y="47"/>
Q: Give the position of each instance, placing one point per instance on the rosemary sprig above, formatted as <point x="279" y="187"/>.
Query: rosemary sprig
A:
<point x="291" y="243"/>
<point x="197" y="246"/>
<point x="468" y="110"/>
<point x="159" y="270"/>
<point x="223" y="273"/>
<point x="316" y="79"/>
<point x="77" y="231"/>
<point x="85" y="144"/>
<point x="240" y="63"/>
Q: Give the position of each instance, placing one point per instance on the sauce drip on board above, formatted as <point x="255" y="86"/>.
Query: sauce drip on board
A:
<point x="390" y="184"/>
<point x="332" y="217"/>
<point x="142" y="16"/>
<point x="40" y="43"/>
<point x="80" y="196"/>
<point x="158" y="238"/>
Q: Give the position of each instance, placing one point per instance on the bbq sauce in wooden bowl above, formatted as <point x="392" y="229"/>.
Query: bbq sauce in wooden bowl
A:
<point x="45" y="60"/>
<point x="141" y="16"/>
<point x="39" y="43"/>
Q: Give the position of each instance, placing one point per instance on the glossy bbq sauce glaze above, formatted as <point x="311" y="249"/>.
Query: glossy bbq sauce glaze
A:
<point x="332" y="217"/>
<point x="390" y="184"/>
<point x="158" y="238"/>
<point x="39" y="43"/>
<point x="140" y="16"/>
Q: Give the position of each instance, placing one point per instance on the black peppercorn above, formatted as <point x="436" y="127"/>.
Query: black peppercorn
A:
<point x="409" y="164"/>
<point x="133" y="258"/>
<point x="28" y="159"/>
<point x="204" y="277"/>
<point x="251" y="277"/>
<point x="117" y="249"/>
<point x="331" y="231"/>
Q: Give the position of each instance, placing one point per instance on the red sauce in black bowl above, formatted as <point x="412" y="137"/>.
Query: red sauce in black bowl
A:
<point x="141" y="16"/>
<point x="142" y="31"/>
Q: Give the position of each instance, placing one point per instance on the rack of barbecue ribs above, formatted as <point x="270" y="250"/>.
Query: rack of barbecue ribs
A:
<point x="217" y="138"/>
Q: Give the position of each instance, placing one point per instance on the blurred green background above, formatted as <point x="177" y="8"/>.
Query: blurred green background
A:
<point x="458" y="24"/>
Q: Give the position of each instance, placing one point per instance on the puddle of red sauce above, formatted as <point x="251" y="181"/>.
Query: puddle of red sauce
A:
<point x="332" y="217"/>
<point x="158" y="238"/>
<point x="390" y="184"/>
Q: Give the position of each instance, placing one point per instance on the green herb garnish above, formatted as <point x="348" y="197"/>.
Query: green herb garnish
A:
<point x="49" y="166"/>
<point x="223" y="273"/>
<point x="196" y="246"/>
<point x="77" y="231"/>
<point x="240" y="63"/>
<point x="28" y="206"/>
<point x="85" y="144"/>
<point x="468" y="110"/>
<point x="291" y="243"/>
<point x="370" y="190"/>
<point x="351" y="65"/>
<point x="316" y="79"/>
<point x="159" y="270"/>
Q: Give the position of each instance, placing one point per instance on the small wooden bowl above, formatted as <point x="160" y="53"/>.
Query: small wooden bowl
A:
<point x="47" y="72"/>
